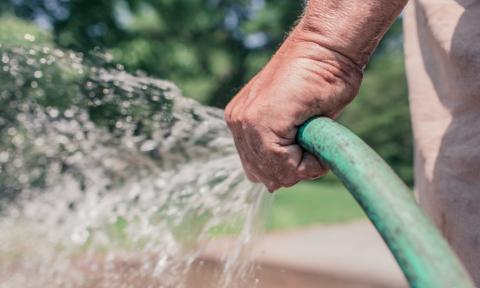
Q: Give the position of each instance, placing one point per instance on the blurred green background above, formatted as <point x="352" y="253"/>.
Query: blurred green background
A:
<point x="210" y="48"/>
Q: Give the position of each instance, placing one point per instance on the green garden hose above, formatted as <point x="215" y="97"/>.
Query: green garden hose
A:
<point x="422" y="253"/>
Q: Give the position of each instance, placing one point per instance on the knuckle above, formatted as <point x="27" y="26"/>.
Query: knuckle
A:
<point x="316" y="174"/>
<point x="289" y="181"/>
<point x="228" y="114"/>
<point x="279" y="154"/>
<point x="251" y="115"/>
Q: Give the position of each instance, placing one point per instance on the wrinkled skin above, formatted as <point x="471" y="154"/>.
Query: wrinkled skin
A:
<point x="302" y="80"/>
<point x="316" y="72"/>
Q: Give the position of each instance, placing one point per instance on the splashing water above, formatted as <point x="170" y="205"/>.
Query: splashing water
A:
<point x="109" y="179"/>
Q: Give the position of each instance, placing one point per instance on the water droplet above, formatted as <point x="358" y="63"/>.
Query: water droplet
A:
<point x="105" y="171"/>
<point x="18" y="140"/>
<point x="12" y="131"/>
<point x="4" y="156"/>
<point x="80" y="235"/>
<point x="89" y="85"/>
<point x="53" y="112"/>
<point x="38" y="74"/>
<point x="148" y="145"/>
<point x="39" y="142"/>
<point x="58" y="53"/>
<point x="29" y="37"/>
<point x="5" y="58"/>
<point x="68" y="113"/>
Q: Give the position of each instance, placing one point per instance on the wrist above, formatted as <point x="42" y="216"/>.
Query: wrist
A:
<point x="333" y="63"/>
<point x="325" y="79"/>
<point x="352" y="28"/>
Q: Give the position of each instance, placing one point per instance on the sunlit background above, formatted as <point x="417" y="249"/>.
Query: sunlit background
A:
<point x="210" y="49"/>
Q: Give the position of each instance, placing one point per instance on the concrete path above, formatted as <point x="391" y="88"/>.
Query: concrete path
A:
<point x="353" y="252"/>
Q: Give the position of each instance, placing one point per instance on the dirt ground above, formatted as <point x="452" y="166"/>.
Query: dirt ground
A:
<point x="203" y="274"/>
<point x="348" y="255"/>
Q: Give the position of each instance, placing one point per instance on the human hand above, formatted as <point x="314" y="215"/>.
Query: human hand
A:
<point x="303" y="79"/>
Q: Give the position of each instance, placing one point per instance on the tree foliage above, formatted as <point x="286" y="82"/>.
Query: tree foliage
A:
<point x="380" y="113"/>
<point x="211" y="48"/>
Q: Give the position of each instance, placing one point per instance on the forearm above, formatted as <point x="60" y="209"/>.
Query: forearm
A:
<point x="316" y="71"/>
<point x="351" y="28"/>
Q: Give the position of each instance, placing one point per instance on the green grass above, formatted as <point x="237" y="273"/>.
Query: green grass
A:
<point x="325" y="201"/>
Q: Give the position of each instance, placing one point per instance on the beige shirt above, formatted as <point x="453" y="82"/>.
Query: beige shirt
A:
<point x="442" y="47"/>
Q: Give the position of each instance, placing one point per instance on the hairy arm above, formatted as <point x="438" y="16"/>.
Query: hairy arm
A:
<point x="350" y="27"/>
<point x="316" y="71"/>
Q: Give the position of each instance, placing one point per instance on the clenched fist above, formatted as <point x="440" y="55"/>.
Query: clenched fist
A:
<point x="302" y="80"/>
